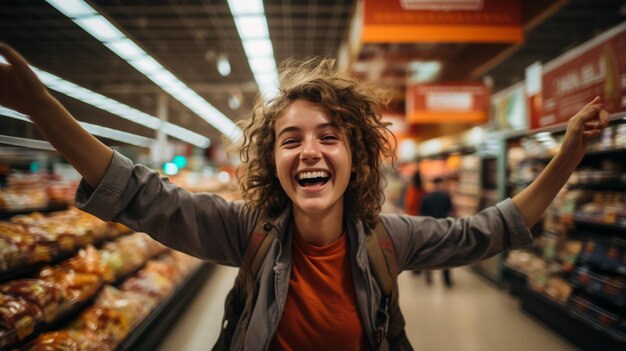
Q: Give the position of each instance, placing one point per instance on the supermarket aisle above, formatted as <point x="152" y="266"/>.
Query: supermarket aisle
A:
<point x="473" y="315"/>
<point x="199" y="327"/>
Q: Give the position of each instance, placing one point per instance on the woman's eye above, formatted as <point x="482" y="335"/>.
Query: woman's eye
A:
<point x="329" y="137"/>
<point x="288" y="141"/>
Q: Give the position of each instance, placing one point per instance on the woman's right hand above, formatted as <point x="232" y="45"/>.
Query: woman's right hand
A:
<point x="20" y="88"/>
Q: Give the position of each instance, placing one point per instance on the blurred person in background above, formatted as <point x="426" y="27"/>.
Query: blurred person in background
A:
<point x="438" y="204"/>
<point x="413" y="195"/>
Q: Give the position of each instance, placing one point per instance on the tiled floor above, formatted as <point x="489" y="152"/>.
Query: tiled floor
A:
<point x="472" y="315"/>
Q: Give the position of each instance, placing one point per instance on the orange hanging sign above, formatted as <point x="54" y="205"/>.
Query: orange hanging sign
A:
<point x="447" y="103"/>
<point x="457" y="21"/>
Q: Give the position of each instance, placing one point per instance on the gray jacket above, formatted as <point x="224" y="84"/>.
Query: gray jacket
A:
<point x="209" y="227"/>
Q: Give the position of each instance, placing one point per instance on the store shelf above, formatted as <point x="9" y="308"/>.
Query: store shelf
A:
<point x="148" y="334"/>
<point x="59" y="322"/>
<point x="25" y="270"/>
<point x="514" y="278"/>
<point x="600" y="186"/>
<point x="606" y="153"/>
<point x="30" y="268"/>
<point x="8" y="214"/>
<point x="582" y="331"/>
<point x="613" y="267"/>
<point x="607" y="229"/>
<point x="596" y="293"/>
<point x="75" y="309"/>
<point x="591" y="155"/>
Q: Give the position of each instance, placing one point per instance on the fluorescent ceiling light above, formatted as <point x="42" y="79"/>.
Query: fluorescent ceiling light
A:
<point x="251" y="27"/>
<point x="246" y="7"/>
<point x="125" y="49"/>
<point x="73" y="8"/>
<point x="262" y="65"/>
<point x="13" y="114"/>
<point x="117" y="135"/>
<point x="101" y="29"/>
<point x="97" y="130"/>
<point x="146" y="65"/>
<point x="163" y="77"/>
<point x="258" y="48"/>
<point x="249" y="16"/>
<point x="184" y="134"/>
<point x="116" y="108"/>
<point x="97" y="100"/>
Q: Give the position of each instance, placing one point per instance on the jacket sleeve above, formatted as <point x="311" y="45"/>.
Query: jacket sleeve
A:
<point x="425" y="242"/>
<point x="203" y="225"/>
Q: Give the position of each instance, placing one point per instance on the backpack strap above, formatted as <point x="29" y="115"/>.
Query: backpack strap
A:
<point x="258" y="246"/>
<point x="384" y="265"/>
<point x="382" y="256"/>
<point x="240" y="300"/>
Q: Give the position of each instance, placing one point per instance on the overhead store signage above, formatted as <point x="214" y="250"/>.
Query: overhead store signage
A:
<point x="447" y="103"/>
<point x="596" y="68"/>
<point x="456" y="21"/>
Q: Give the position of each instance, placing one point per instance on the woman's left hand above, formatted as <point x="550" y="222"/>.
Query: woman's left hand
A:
<point x="589" y="122"/>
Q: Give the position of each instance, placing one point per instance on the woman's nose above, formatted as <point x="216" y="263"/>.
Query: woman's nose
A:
<point x="310" y="151"/>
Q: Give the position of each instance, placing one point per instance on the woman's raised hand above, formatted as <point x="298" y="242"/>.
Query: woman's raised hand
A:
<point x="589" y="122"/>
<point x="20" y="88"/>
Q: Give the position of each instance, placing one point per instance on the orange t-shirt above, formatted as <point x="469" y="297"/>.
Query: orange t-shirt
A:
<point x="321" y="310"/>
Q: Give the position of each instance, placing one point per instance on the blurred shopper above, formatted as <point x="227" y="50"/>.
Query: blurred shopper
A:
<point x="413" y="195"/>
<point x="311" y="175"/>
<point x="438" y="204"/>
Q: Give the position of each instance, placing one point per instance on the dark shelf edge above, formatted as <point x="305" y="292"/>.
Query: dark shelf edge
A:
<point x="9" y="214"/>
<point x="573" y="327"/>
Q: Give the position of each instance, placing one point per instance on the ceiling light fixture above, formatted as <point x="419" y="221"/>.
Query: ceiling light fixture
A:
<point x="114" y="107"/>
<point x="100" y="28"/>
<point x="223" y="65"/>
<point x="94" y="129"/>
<point x="234" y="99"/>
<point x="249" y="16"/>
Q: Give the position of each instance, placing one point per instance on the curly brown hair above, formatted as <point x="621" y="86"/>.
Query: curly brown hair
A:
<point x="355" y="110"/>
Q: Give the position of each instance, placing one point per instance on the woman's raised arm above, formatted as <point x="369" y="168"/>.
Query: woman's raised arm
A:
<point x="22" y="91"/>
<point x="587" y="123"/>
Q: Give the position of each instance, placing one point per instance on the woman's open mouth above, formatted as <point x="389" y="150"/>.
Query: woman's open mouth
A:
<point x="314" y="178"/>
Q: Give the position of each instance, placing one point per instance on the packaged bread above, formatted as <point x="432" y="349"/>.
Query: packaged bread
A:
<point x="18" y="319"/>
<point x="45" y="295"/>
<point x="63" y="340"/>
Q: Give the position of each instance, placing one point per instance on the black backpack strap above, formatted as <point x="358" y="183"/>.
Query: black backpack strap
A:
<point x="240" y="300"/>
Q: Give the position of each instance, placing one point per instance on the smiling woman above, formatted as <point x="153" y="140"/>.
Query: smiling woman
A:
<point x="350" y="109"/>
<point x="311" y="177"/>
<point x="313" y="165"/>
